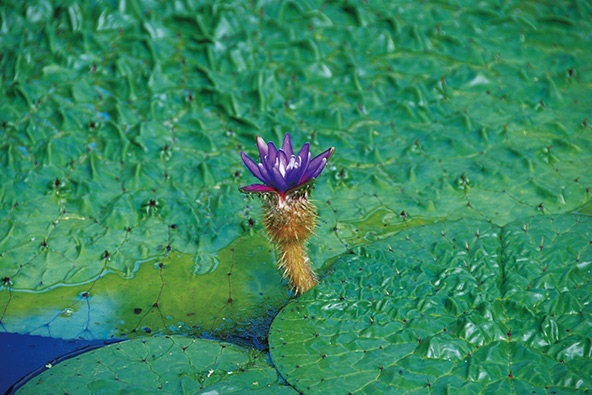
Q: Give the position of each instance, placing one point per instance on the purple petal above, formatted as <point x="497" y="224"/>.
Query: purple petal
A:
<point x="265" y="174"/>
<point x="287" y="145"/>
<point x="292" y="177"/>
<point x="258" y="188"/>
<point x="282" y="163"/>
<point x="270" y="158"/>
<point x="278" y="180"/>
<point x="304" y="156"/>
<point x="316" y="165"/>
<point x="280" y="170"/>
<point x="262" y="148"/>
<point x="293" y="172"/>
<point x="252" y="166"/>
<point x="319" y="169"/>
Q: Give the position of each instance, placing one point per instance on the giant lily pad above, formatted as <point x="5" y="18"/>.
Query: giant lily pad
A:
<point x="461" y="306"/>
<point x="174" y="293"/>
<point x="121" y="124"/>
<point x="157" y="365"/>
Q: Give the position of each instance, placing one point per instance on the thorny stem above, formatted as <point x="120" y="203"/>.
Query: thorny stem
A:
<point x="290" y="221"/>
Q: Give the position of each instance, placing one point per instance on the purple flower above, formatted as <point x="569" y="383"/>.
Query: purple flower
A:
<point x="280" y="170"/>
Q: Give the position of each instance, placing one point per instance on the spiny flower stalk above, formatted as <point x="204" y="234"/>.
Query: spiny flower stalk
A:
<point x="289" y="217"/>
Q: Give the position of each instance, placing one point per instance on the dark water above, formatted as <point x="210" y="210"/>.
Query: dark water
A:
<point x="23" y="356"/>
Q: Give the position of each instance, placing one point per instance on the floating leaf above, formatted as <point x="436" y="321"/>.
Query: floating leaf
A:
<point x="465" y="306"/>
<point x="121" y="125"/>
<point x="174" y="293"/>
<point x="175" y="364"/>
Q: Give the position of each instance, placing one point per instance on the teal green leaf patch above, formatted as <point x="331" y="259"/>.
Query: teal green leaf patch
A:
<point x="157" y="365"/>
<point x="121" y="124"/>
<point x="172" y="293"/>
<point x="461" y="306"/>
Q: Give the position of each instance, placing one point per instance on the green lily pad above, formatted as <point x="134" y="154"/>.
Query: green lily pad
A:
<point x="121" y="125"/>
<point x="461" y="306"/>
<point x="159" y="365"/>
<point x="174" y="293"/>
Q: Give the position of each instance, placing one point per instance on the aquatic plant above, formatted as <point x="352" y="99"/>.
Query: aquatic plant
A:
<point x="171" y="365"/>
<point x="463" y="307"/>
<point x="119" y="132"/>
<point x="289" y="217"/>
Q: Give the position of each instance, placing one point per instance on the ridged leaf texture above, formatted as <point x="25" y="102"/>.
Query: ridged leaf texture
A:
<point x="171" y="365"/>
<point x="454" y="307"/>
<point x="121" y="124"/>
